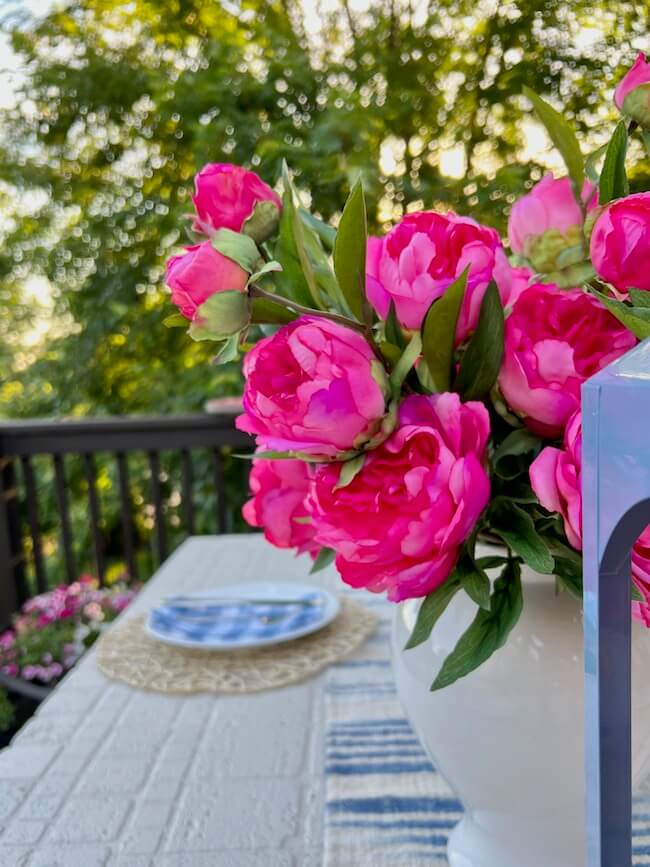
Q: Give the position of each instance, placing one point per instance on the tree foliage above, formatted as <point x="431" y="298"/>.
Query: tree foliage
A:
<point x="123" y="101"/>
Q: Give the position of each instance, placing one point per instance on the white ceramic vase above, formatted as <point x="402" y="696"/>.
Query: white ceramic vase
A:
<point x="509" y="737"/>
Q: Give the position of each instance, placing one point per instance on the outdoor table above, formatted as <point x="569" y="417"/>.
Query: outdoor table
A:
<point x="107" y="775"/>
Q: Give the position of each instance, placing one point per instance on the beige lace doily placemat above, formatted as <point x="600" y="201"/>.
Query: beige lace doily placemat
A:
<point x="128" y="654"/>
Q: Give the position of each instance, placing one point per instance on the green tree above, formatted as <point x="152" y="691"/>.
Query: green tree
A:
<point x="123" y="101"/>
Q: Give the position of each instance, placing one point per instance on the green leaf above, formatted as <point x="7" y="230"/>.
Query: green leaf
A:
<point x="229" y="351"/>
<point x="223" y="314"/>
<point x="267" y="268"/>
<point x="439" y="332"/>
<point x="482" y="360"/>
<point x="506" y="460"/>
<point x="390" y="352"/>
<point x="350" y="253"/>
<point x="325" y="232"/>
<point x="490" y="562"/>
<point x="488" y="631"/>
<point x="637" y="596"/>
<point x="239" y="248"/>
<point x="475" y="582"/>
<point x="266" y="312"/>
<point x="563" y="137"/>
<point x="298" y="232"/>
<point x="613" y="180"/>
<point x="278" y="456"/>
<point x="633" y="318"/>
<point x="517" y="530"/>
<point x="640" y="297"/>
<point x="431" y="611"/>
<point x="569" y="575"/>
<point x="324" y="558"/>
<point x="405" y="364"/>
<point x="175" y="320"/>
<point x="349" y="470"/>
<point x="294" y="285"/>
<point x="426" y="380"/>
<point x="392" y="330"/>
<point x="590" y="164"/>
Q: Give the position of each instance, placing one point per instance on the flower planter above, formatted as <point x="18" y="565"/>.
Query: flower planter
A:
<point x="508" y="738"/>
<point x="19" y="686"/>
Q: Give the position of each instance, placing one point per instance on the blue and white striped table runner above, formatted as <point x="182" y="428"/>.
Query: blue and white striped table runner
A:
<point x="386" y="805"/>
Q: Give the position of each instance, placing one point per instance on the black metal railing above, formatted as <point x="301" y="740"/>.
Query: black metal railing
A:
<point x="178" y="466"/>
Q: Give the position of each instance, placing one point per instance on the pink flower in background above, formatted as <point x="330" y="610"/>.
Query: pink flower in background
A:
<point x="200" y="272"/>
<point x="620" y="242"/>
<point x="398" y="526"/>
<point x="550" y="205"/>
<point x="556" y="477"/>
<point x="637" y="75"/>
<point x="279" y="489"/>
<point x="225" y="196"/>
<point x="421" y="257"/>
<point x="554" y="341"/>
<point x="556" y="474"/>
<point x="314" y="388"/>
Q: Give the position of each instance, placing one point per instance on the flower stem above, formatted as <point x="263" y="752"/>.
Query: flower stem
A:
<point x="256" y="292"/>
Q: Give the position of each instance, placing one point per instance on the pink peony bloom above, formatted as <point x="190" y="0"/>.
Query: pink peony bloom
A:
<point x="421" y="257"/>
<point x="556" y="477"/>
<point x="556" y="474"/>
<point x="279" y="489"/>
<point x="314" y="388"/>
<point x="632" y="95"/>
<point x="550" y="205"/>
<point x="554" y="341"/>
<point x="225" y="196"/>
<point x="620" y="242"/>
<point x="399" y="525"/>
<point x="198" y="274"/>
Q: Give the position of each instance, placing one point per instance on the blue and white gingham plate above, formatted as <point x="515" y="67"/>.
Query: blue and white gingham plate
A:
<point x="225" y="627"/>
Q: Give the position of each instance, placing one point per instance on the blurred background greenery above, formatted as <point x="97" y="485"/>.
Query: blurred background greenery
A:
<point x="115" y="105"/>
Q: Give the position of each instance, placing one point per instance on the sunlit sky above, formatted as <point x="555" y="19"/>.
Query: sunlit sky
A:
<point x="451" y="160"/>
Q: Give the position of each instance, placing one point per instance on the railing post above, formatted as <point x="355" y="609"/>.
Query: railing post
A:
<point x="10" y="559"/>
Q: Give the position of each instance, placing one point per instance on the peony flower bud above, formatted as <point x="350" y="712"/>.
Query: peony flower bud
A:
<point x="620" y="241"/>
<point x="546" y="228"/>
<point x="230" y="197"/>
<point x="632" y="95"/>
<point x="200" y="273"/>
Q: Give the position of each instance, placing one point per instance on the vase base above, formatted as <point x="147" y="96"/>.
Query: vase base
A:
<point x="487" y="841"/>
